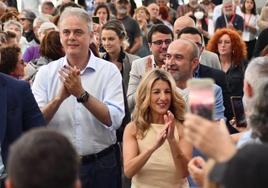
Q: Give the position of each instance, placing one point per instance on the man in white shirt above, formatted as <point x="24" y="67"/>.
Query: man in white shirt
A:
<point x="81" y="96"/>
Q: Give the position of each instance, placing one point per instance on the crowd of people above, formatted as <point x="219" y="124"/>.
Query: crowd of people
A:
<point x="105" y="86"/>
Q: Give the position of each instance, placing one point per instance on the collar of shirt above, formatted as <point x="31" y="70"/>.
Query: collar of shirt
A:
<point x="154" y="65"/>
<point x="91" y="65"/>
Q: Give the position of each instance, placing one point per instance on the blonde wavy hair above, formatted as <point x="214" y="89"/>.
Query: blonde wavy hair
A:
<point x="142" y="112"/>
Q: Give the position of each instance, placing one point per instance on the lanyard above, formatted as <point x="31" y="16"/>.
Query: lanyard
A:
<point x="231" y="20"/>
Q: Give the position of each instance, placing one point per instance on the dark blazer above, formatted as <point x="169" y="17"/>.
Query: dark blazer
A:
<point x="19" y="111"/>
<point x="220" y="79"/>
<point x="238" y="23"/>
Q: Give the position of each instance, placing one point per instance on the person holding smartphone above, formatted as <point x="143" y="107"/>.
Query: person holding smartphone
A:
<point x="220" y="146"/>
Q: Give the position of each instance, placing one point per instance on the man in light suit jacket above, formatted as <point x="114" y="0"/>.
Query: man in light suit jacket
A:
<point x="159" y="38"/>
<point x="18" y="112"/>
<point x="210" y="59"/>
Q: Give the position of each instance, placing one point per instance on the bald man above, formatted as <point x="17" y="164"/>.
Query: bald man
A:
<point x="207" y="58"/>
<point x="182" y="22"/>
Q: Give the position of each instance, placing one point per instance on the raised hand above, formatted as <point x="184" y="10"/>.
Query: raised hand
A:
<point x="160" y="138"/>
<point x="63" y="93"/>
<point x="70" y="76"/>
<point x="169" y="122"/>
<point x="149" y="64"/>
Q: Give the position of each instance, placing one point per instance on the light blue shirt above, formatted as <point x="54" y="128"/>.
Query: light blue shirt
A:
<point x="100" y="79"/>
<point x="219" y="107"/>
<point x="247" y="139"/>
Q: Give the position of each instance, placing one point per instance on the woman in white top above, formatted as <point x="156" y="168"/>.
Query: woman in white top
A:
<point x="250" y="25"/>
<point x="155" y="152"/>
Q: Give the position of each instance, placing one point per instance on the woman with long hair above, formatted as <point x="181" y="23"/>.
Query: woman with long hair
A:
<point x="249" y="33"/>
<point x="102" y="11"/>
<point x="114" y="42"/>
<point x="232" y="52"/>
<point x="155" y="152"/>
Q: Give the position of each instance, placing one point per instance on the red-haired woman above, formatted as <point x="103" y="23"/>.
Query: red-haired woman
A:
<point x="232" y="52"/>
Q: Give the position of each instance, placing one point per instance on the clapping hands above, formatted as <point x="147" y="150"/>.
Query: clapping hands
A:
<point x="167" y="133"/>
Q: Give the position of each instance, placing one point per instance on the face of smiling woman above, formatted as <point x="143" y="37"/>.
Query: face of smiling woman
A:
<point x="111" y="41"/>
<point x="160" y="98"/>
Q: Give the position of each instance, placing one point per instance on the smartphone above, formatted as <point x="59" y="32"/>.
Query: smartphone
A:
<point x="238" y="111"/>
<point x="96" y="19"/>
<point x="201" y="97"/>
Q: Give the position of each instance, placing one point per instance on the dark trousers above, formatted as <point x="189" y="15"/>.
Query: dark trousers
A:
<point x="250" y="48"/>
<point x="104" y="172"/>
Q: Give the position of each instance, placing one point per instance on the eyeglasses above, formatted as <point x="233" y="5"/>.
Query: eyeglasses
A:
<point x="160" y="42"/>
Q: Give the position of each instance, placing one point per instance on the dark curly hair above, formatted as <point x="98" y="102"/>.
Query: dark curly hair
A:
<point x="239" y="47"/>
<point x="9" y="58"/>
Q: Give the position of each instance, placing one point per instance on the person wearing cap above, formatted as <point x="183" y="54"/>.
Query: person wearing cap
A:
<point x="131" y="26"/>
<point x="220" y="147"/>
<point x="81" y="96"/>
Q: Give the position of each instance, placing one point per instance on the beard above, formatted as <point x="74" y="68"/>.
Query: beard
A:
<point x="177" y="74"/>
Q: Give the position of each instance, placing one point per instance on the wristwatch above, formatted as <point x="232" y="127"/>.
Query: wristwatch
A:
<point x="83" y="98"/>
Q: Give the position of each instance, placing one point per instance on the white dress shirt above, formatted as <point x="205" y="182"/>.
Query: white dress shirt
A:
<point x="100" y="79"/>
